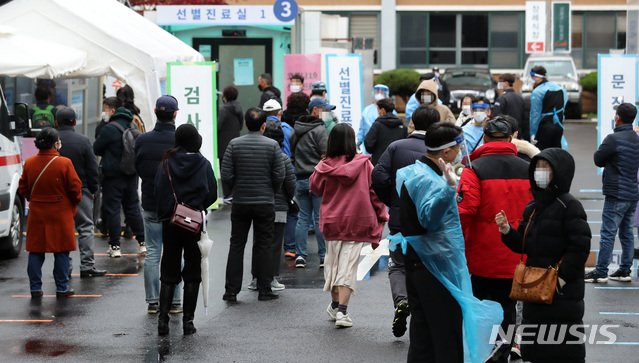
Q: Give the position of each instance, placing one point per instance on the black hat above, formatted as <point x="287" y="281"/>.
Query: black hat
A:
<point x="497" y="128"/>
<point x="65" y="115"/>
<point x="166" y="103"/>
<point x="187" y="137"/>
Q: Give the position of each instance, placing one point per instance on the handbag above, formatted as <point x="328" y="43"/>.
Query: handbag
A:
<point x="184" y="216"/>
<point x="534" y="284"/>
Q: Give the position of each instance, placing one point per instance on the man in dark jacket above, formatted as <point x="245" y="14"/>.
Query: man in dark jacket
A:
<point x="617" y="154"/>
<point x="117" y="187"/>
<point x="149" y="150"/>
<point x="269" y="92"/>
<point x="510" y="102"/>
<point x="229" y="125"/>
<point x="46" y="111"/>
<point x="253" y="165"/>
<point x="308" y="146"/>
<point x="495" y="169"/>
<point x="386" y="129"/>
<point x="399" y="154"/>
<point x="78" y="148"/>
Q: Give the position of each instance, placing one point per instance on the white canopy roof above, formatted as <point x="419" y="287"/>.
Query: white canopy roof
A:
<point x="116" y="40"/>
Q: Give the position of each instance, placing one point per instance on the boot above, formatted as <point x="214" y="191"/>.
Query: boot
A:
<point x="191" y="290"/>
<point x="166" y="298"/>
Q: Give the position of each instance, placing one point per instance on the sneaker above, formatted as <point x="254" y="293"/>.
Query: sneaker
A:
<point x="114" y="252"/>
<point x="399" y="321"/>
<point x="515" y="352"/>
<point x="228" y="200"/>
<point x="276" y="286"/>
<point x="500" y="350"/>
<point x="621" y="276"/>
<point x="332" y="313"/>
<point x="300" y="262"/>
<point x="594" y="276"/>
<point x="253" y="285"/>
<point x="289" y="256"/>
<point x="142" y="249"/>
<point x="176" y="308"/>
<point x="343" y="321"/>
<point x="153" y="308"/>
<point x="321" y="263"/>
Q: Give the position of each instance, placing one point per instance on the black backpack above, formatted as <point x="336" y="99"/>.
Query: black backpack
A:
<point x="127" y="163"/>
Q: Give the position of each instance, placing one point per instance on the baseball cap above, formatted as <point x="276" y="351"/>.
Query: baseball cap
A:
<point x="271" y="105"/>
<point x="319" y="102"/>
<point x="497" y="128"/>
<point x="166" y="103"/>
<point x="65" y="114"/>
<point x="318" y="86"/>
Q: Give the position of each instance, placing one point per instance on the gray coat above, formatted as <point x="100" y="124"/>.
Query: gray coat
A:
<point x="308" y="145"/>
<point x="252" y="165"/>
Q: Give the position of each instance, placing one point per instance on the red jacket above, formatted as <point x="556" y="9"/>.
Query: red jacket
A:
<point x="52" y="205"/>
<point x="498" y="180"/>
<point x="350" y="210"/>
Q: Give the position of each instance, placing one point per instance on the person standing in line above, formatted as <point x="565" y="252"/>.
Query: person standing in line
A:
<point x="149" y="151"/>
<point x="426" y="94"/>
<point x="254" y="167"/>
<point x="42" y="114"/>
<point x="618" y="155"/>
<point x="510" y="103"/>
<point x="269" y="92"/>
<point x="386" y="129"/>
<point x="229" y="125"/>
<point x="188" y="175"/>
<point x="399" y="154"/>
<point x="308" y="147"/>
<point x="442" y="88"/>
<point x="351" y="214"/>
<point x="465" y="115"/>
<point x="371" y="113"/>
<point x="52" y="187"/>
<point x="78" y="149"/>
<point x="296" y="106"/>
<point x="474" y="131"/>
<point x="126" y="95"/>
<point x="547" y="105"/>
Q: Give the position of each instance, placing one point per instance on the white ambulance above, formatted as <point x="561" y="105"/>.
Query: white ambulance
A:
<point x="12" y="128"/>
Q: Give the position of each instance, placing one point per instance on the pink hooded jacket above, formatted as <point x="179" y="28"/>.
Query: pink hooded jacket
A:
<point x="350" y="210"/>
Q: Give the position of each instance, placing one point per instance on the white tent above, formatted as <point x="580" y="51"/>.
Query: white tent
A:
<point x="117" y="41"/>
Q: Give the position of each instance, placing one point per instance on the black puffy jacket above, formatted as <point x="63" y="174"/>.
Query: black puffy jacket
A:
<point x="149" y="151"/>
<point x="383" y="132"/>
<point x="558" y="228"/>
<point x="618" y="155"/>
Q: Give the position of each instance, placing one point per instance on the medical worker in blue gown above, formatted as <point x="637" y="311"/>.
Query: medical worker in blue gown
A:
<point x="448" y="324"/>
<point x="371" y="113"/>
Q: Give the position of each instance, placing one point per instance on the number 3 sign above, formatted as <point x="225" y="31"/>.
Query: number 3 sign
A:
<point x="285" y="10"/>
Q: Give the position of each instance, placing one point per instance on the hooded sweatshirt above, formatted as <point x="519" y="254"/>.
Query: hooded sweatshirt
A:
<point x="193" y="180"/>
<point x="350" y="210"/>
<point x="444" y="112"/>
<point x="385" y="130"/>
<point x="308" y="145"/>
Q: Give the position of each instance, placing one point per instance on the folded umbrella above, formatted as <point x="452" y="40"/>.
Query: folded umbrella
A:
<point x="205" y="244"/>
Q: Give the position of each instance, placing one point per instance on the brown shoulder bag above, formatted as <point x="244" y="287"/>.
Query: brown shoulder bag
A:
<point x="184" y="216"/>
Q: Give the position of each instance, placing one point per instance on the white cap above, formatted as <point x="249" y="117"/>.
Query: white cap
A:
<point x="271" y="105"/>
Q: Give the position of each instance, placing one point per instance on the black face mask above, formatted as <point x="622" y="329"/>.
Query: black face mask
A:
<point x="259" y="87"/>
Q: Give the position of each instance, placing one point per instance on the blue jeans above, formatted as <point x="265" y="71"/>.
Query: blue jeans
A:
<point x="289" y="232"/>
<point x="618" y="215"/>
<point x="153" y="235"/>
<point x="309" y="205"/>
<point x="60" y="271"/>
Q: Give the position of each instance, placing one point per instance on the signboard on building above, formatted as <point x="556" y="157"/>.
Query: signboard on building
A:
<point x="344" y="87"/>
<point x="281" y="13"/>
<point x="561" y="25"/>
<point x="308" y="66"/>
<point x="616" y="84"/>
<point x="193" y="85"/>
<point x="536" y="26"/>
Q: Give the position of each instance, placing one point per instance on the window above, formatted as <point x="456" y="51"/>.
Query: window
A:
<point x="412" y="30"/>
<point x="505" y="37"/>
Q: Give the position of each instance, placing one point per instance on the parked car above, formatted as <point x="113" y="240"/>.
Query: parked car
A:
<point x="560" y="69"/>
<point x="469" y="80"/>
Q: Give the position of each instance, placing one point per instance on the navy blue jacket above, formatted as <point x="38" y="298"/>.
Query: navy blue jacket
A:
<point x="194" y="182"/>
<point x="78" y="148"/>
<point x="109" y="143"/>
<point x="618" y="154"/>
<point x="399" y="154"/>
<point x="149" y="150"/>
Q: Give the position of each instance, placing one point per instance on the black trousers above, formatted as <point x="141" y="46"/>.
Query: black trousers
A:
<point x="486" y="288"/>
<point x="177" y="240"/>
<point x="549" y="135"/>
<point x="276" y="250"/>
<point x="116" y="192"/>
<point x="436" y="317"/>
<point x="262" y="217"/>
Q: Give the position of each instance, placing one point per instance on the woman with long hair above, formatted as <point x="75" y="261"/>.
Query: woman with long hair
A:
<point x="188" y="174"/>
<point x="350" y="214"/>
<point x="126" y="95"/>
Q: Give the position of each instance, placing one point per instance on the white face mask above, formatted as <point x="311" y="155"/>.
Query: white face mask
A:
<point x="458" y="158"/>
<point x="500" y="85"/>
<point x="466" y="110"/>
<point x="105" y="117"/>
<point x="542" y="177"/>
<point x="325" y="116"/>
<point x="295" y="88"/>
<point x="427" y="98"/>
<point x="479" y="116"/>
<point x="379" y="96"/>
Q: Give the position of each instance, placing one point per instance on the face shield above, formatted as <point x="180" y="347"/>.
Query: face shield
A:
<point x="382" y="90"/>
<point x="462" y="159"/>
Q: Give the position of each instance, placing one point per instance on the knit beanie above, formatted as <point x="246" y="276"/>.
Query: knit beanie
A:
<point x="188" y="138"/>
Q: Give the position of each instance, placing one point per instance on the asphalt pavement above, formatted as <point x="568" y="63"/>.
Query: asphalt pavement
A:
<point x="107" y="320"/>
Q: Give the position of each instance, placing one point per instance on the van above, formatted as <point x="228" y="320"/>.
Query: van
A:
<point x="12" y="128"/>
